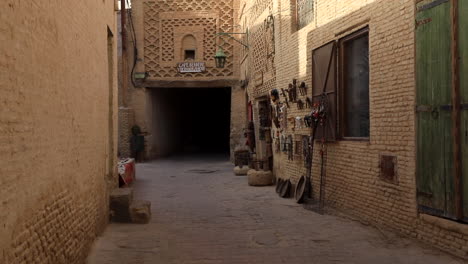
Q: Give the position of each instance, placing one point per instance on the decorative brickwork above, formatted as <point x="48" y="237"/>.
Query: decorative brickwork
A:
<point x="207" y="17"/>
<point x="258" y="7"/>
<point x="126" y="122"/>
<point x="262" y="51"/>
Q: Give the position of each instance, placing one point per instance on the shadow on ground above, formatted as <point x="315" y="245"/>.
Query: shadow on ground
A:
<point x="202" y="213"/>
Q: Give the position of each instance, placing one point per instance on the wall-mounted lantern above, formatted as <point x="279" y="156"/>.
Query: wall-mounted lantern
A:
<point x="220" y="57"/>
<point x="140" y="75"/>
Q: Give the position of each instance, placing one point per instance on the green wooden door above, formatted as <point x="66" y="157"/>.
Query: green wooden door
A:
<point x="434" y="141"/>
<point x="435" y="164"/>
<point x="463" y="10"/>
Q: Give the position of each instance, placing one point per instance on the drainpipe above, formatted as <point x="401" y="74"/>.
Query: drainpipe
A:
<point x="123" y="21"/>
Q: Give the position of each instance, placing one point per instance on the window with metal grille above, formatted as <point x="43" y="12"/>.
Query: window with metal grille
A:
<point x="304" y="12"/>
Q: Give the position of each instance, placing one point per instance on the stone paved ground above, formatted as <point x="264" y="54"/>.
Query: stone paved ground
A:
<point x="216" y="218"/>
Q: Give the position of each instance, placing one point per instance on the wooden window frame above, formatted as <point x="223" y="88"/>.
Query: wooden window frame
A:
<point x="341" y="87"/>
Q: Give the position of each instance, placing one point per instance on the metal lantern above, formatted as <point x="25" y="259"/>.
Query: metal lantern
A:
<point x="220" y="59"/>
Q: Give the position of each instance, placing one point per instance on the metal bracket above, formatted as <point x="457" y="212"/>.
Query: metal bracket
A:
<point x="423" y="22"/>
<point x="424" y="194"/>
<point x="446" y="107"/>
<point x="228" y="34"/>
<point x="430" y="108"/>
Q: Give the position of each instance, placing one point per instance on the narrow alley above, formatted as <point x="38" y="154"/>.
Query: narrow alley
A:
<point x="204" y="214"/>
<point x="233" y="131"/>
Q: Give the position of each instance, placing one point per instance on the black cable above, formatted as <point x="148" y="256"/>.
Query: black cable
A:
<point x="131" y="23"/>
<point x="135" y="49"/>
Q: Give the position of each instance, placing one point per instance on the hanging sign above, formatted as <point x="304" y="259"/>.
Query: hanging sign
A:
<point x="191" y="67"/>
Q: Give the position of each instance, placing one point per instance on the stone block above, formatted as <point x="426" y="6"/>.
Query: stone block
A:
<point x="241" y="171"/>
<point x="120" y="200"/>
<point x="260" y="178"/>
<point x="140" y="212"/>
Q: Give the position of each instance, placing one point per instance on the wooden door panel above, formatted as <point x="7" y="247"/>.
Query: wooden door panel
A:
<point x="434" y="143"/>
<point x="433" y="165"/>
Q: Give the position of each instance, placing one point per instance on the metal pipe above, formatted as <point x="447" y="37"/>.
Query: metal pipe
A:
<point x="123" y="22"/>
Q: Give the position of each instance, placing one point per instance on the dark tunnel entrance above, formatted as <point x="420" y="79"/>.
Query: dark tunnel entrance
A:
<point x="190" y="120"/>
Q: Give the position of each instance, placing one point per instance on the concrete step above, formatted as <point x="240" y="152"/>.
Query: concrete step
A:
<point x="120" y="201"/>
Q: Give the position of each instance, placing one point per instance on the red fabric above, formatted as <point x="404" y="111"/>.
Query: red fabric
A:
<point x="129" y="172"/>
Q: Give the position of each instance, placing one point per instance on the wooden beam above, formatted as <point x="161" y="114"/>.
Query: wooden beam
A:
<point x="456" y="112"/>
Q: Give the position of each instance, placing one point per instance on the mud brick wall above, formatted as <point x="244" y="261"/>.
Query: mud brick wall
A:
<point x="60" y="232"/>
<point x="352" y="181"/>
<point x="55" y="88"/>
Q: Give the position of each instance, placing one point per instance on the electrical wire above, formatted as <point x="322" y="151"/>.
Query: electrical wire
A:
<point x="135" y="47"/>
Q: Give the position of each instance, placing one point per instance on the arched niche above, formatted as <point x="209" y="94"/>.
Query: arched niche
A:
<point x="189" y="48"/>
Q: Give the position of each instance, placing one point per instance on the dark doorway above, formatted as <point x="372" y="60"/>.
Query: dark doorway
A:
<point x="191" y="120"/>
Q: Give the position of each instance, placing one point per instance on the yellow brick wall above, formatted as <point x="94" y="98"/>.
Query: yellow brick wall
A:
<point x="55" y="86"/>
<point x="352" y="167"/>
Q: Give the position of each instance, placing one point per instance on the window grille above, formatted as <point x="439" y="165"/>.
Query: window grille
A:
<point x="304" y="12"/>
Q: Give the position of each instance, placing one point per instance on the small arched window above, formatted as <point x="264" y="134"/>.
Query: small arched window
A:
<point x="189" y="47"/>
